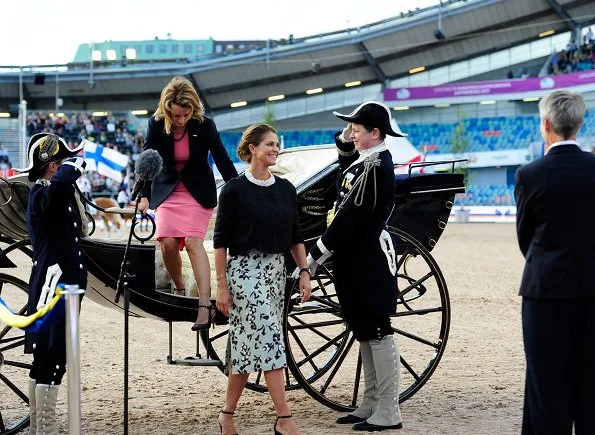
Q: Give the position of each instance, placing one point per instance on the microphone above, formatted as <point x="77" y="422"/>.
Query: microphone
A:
<point x="147" y="166"/>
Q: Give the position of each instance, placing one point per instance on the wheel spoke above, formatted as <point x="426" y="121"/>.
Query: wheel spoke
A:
<point x="11" y="339"/>
<point x="416" y="338"/>
<point x="418" y="312"/>
<point x="317" y="324"/>
<point x="258" y="377"/>
<point x="302" y="347"/>
<point x="320" y="334"/>
<point x="14" y="388"/>
<point x="326" y="302"/>
<point x="409" y="368"/>
<point x="358" y="373"/>
<point x="17" y="364"/>
<point x="12" y="346"/>
<point x="221" y="334"/>
<point x="312" y="310"/>
<point x="415" y="284"/>
<point x="403" y="257"/>
<point x="337" y="365"/>
<point x="323" y="348"/>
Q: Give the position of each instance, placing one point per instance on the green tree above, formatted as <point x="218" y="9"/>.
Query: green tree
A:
<point x="269" y="115"/>
<point x="460" y="148"/>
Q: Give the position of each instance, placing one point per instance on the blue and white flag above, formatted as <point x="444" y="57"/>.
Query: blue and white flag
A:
<point x="104" y="160"/>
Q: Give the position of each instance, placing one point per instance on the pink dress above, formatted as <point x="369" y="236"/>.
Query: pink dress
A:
<point x="180" y="215"/>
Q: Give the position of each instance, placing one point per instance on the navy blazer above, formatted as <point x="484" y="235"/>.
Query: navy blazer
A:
<point x="555" y="198"/>
<point x="196" y="175"/>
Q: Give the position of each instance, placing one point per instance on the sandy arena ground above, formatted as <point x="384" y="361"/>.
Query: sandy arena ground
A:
<point x="477" y="388"/>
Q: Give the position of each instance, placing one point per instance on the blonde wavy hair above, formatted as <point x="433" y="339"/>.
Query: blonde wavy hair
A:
<point x="252" y="135"/>
<point x="179" y="91"/>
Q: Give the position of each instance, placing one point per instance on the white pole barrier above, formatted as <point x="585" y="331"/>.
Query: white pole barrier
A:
<point x="72" y="294"/>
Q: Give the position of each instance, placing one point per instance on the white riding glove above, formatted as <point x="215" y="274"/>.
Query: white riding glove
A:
<point x="345" y="135"/>
<point x="77" y="162"/>
<point x="48" y="290"/>
<point x="386" y="242"/>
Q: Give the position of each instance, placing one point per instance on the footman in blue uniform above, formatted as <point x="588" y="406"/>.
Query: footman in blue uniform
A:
<point x="55" y="226"/>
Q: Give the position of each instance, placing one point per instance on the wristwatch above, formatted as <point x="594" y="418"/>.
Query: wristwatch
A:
<point x="305" y="269"/>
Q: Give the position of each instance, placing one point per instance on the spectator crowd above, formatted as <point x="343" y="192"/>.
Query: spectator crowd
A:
<point x="576" y="57"/>
<point x="117" y="134"/>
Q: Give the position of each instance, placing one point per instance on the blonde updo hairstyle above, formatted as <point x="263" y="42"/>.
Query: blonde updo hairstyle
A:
<point x="252" y="135"/>
<point x="178" y="91"/>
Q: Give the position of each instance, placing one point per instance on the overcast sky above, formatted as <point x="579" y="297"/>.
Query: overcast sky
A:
<point x="38" y="32"/>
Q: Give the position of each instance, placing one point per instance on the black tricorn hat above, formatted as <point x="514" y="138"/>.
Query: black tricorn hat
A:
<point x="373" y="114"/>
<point x="45" y="148"/>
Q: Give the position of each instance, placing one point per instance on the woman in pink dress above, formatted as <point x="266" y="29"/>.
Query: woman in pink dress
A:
<point x="183" y="194"/>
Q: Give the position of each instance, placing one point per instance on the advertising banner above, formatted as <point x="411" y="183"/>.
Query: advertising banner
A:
<point x="489" y="88"/>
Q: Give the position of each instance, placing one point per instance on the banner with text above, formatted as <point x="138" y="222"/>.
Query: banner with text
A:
<point x="488" y="88"/>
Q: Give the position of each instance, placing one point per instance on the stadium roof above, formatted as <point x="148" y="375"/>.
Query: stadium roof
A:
<point x="375" y="53"/>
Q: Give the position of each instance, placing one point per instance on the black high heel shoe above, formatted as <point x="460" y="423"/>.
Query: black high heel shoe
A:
<point x="203" y="326"/>
<point x="275" y="426"/>
<point x="221" y="427"/>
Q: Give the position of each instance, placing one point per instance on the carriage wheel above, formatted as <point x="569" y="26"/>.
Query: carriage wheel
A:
<point x="421" y="328"/>
<point x="14" y="365"/>
<point x="327" y="355"/>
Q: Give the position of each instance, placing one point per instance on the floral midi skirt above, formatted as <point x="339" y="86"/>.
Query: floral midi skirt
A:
<point x="257" y="285"/>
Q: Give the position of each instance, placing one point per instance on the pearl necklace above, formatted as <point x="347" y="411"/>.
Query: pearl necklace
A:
<point x="268" y="182"/>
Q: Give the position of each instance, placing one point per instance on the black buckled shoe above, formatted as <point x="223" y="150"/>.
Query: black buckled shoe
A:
<point x="369" y="427"/>
<point x="350" y="419"/>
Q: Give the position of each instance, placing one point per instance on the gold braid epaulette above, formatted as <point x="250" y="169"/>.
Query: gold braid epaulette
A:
<point x="359" y="187"/>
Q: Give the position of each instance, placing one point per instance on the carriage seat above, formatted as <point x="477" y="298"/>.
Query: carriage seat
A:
<point x="419" y="183"/>
<point x="423" y="203"/>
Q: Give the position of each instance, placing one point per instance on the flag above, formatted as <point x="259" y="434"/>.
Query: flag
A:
<point x="104" y="160"/>
<point x="41" y="320"/>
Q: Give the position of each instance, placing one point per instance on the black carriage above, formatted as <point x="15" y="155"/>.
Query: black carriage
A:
<point x="321" y="350"/>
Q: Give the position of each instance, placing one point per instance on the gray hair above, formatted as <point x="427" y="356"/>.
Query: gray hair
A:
<point x="565" y="110"/>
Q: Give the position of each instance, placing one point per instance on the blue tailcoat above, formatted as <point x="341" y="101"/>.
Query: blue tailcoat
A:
<point x="54" y="225"/>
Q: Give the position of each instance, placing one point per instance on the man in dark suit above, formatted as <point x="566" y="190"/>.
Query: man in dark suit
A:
<point x="556" y="233"/>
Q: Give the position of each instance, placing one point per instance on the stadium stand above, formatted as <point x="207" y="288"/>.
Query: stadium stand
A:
<point x="484" y="134"/>
<point x="574" y="58"/>
<point x="491" y="195"/>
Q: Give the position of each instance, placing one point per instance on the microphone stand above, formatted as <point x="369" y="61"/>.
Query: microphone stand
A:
<point x="122" y="287"/>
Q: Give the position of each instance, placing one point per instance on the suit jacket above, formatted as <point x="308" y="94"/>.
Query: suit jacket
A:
<point x="54" y="225"/>
<point x="555" y="199"/>
<point x="196" y="175"/>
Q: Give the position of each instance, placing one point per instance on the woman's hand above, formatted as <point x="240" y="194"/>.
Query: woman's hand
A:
<point x="305" y="287"/>
<point x="143" y="205"/>
<point x="223" y="301"/>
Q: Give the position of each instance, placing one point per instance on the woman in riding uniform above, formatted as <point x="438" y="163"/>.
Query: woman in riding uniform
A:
<point x="364" y="263"/>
